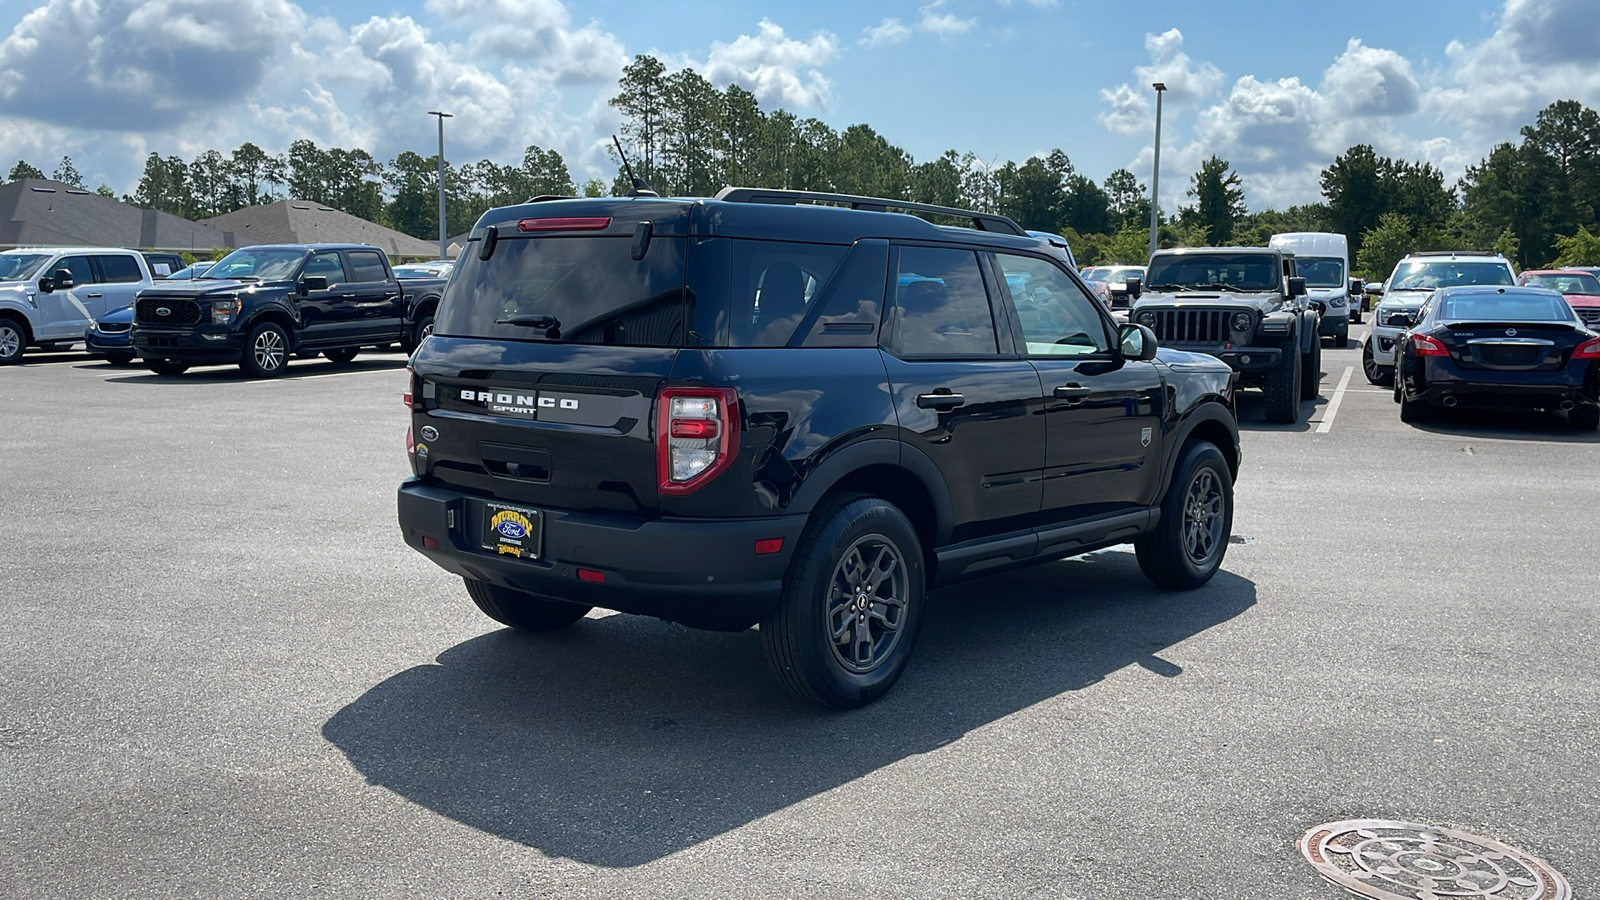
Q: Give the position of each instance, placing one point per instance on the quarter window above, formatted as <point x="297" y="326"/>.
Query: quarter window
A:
<point x="1057" y="317"/>
<point x="941" y="307"/>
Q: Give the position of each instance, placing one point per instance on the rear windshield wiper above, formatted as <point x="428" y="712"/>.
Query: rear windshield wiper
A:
<point x="550" y="325"/>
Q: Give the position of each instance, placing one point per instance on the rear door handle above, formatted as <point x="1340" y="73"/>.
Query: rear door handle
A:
<point x="95" y="296"/>
<point x="940" y="401"/>
<point x="1073" y="392"/>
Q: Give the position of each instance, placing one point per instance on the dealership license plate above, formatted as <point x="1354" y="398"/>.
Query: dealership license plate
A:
<point x="512" y="530"/>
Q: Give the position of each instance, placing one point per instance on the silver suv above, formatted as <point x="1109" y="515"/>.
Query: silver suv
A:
<point x="1413" y="282"/>
<point x="50" y="295"/>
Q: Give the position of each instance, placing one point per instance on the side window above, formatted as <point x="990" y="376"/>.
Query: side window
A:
<point x="1058" y="318"/>
<point x="940" y="305"/>
<point x="366" y="266"/>
<point x="771" y="288"/>
<point x="82" y="272"/>
<point x="328" y="266"/>
<point x="119" y="269"/>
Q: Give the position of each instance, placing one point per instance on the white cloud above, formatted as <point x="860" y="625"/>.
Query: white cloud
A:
<point x="889" y="31"/>
<point x="1367" y="81"/>
<point x="1130" y="113"/>
<point x="539" y="35"/>
<point x="775" y="67"/>
<point x="944" y="25"/>
<point x="1185" y="79"/>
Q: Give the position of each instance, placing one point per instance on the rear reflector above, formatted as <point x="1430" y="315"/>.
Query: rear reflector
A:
<point x="591" y="575"/>
<point x="770" y="545"/>
<point x="430" y="543"/>
<point x="698" y="429"/>
<point x="570" y="223"/>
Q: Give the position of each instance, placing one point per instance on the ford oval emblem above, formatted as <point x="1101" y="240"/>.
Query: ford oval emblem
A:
<point x="163" y="311"/>
<point x="512" y="529"/>
<point x="430" y="433"/>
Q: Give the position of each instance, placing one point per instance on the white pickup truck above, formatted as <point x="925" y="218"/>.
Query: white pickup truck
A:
<point x="50" y="295"/>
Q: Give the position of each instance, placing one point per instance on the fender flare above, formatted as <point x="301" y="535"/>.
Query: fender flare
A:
<point x="1308" y="329"/>
<point x="273" y="310"/>
<point x="1210" y="409"/>
<point x="838" y="464"/>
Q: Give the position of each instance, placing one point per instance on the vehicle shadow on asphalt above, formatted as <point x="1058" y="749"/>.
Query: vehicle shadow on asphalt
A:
<point x="1251" y="407"/>
<point x="1506" y="426"/>
<point x="231" y="373"/>
<point x="625" y="739"/>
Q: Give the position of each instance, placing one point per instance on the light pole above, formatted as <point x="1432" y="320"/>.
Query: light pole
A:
<point x="444" y="236"/>
<point x="1155" y="171"/>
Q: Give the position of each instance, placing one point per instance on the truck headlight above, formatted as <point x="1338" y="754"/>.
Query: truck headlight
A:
<point x="1242" y="321"/>
<point x="1146" y="318"/>
<point x="223" y="311"/>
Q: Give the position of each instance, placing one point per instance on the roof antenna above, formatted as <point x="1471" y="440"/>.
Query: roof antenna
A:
<point x="641" y="188"/>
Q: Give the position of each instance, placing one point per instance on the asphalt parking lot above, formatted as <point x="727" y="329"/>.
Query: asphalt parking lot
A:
<point x="223" y="675"/>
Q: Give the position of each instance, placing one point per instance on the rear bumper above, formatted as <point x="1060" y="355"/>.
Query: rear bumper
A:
<point x="701" y="572"/>
<point x="1445" y="383"/>
<point x="202" y="343"/>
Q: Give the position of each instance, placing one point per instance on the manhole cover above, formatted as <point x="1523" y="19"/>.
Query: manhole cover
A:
<point x="1392" y="860"/>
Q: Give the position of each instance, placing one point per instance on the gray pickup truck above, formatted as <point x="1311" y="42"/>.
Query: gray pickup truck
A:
<point x="50" y="295"/>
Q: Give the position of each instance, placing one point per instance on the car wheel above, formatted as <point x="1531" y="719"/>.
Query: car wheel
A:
<point x="1311" y="377"/>
<point x="1584" y="418"/>
<point x="524" y="612"/>
<point x="1376" y="374"/>
<point x="1282" y="388"/>
<point x="266" y="351"/>
<point x="421" y="330"/>
<point x="1342" y="339"/>
<point x="166" y="366"/>
<point x="847" y="621"/>
<point x="1412" y="411"/>
<point x="1191" y="537"/>
<point x="13" y="339"/>
<point x="120" y="359"/>
<point x="1355" y="316"/>
<point x="342" y="355"/>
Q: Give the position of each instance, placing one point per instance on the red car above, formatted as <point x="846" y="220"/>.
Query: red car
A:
<point x="1582" y="290"/>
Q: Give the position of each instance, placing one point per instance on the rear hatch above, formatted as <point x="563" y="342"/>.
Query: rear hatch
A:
<point x="547" y="356"/>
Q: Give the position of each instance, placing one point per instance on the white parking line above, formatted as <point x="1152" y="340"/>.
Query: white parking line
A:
<point x="1333" y="405"/>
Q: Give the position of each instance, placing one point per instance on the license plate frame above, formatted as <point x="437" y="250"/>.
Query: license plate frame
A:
<point x="513" y="530"/>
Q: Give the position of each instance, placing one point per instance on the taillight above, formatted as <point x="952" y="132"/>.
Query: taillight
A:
<point x="696" y="436"/>
<point x="411" y="379"/>
<point x="1589" y="349"/>
<point x="411" y="443"/>
<point x="1428" y="346"/>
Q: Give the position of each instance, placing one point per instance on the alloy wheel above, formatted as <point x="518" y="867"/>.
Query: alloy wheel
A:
<point x="10" y="341"/>
<point x="270" y="353"/>
<point x="1202" y="517"/>
<point x="867" y="603"/>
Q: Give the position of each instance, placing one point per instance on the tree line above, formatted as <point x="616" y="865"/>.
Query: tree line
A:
<point x="1534" y="200"/>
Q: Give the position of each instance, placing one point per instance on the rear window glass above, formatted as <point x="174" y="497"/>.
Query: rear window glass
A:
<point x="592" y="286"/>
<point x="1505" y="308"/>
<point x="366" y="266"/>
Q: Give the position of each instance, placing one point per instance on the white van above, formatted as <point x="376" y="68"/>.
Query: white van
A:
<point x="1323" y="260"/>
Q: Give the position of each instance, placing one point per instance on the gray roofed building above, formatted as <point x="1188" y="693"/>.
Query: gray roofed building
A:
<point x="37" y="212"/>
<point x="304" y="222"/>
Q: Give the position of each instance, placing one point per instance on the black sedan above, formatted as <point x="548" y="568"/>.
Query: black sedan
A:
<point x="1498" y="348"/>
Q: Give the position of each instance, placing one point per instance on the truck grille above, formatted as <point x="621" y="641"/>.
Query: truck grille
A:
<point x="1590" y="317"/>
<point x="1191" y="326"/>
<point x="179" y="311"/>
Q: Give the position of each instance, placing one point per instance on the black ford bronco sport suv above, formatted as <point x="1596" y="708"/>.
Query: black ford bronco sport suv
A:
<point x="1243" y="305"/>
<point x="793" y="409"/>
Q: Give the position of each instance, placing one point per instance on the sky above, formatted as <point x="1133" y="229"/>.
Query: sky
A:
<point x="1278" y="90"/>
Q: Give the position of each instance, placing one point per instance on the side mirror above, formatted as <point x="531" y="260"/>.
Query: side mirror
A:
<point x="1134" y="287"/>
<point x="313" y="283"/>
<point x="1136" y="342"/>
<point x="1401" y="320"/>
<point x="1357" y="286"/>
<point x="1297" y="286"/>
<point x="46" y="284"/>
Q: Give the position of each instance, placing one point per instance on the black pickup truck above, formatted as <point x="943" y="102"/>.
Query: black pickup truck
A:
<point x="258" y="306"/>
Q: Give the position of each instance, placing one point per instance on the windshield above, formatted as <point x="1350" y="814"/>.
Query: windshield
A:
<point x="1507" y="307"/>
<point x="1321" y="271"/>
<point x="1215" y="271"/>
<point x="261" y="265"/>
<point x="1426" y="275"/>
<point x="20" y="266"/>
<point x="586" y="290"/>
<point x="1566" y="282"/>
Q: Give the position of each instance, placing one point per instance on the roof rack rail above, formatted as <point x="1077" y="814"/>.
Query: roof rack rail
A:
<point x="980" y="221"/>
<point x="1457" y="253"/>
<point x="543" y="197"/>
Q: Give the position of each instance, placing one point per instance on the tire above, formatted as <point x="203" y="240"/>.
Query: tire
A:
<point x="1382" y="376"/>
<point x="120" y="359"/>
<point x="1311" y="375"/>
<point x="521" y="611"/>
<point x="13" y="340"/>
<point x="419" y="333"/>
<point x="166" y="366"/>
<point x="830" y="583"/>
<point x="1283" y="388"/>
<point x="1412" y="411"/>
<point x="1190" y="540"/>
<point x="1584" y="418"/>
<point x="1355" y="315"/>
<point x="1341" y="340"/>
<point x="342" y="355"/>
<point x="266" y="351"/>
